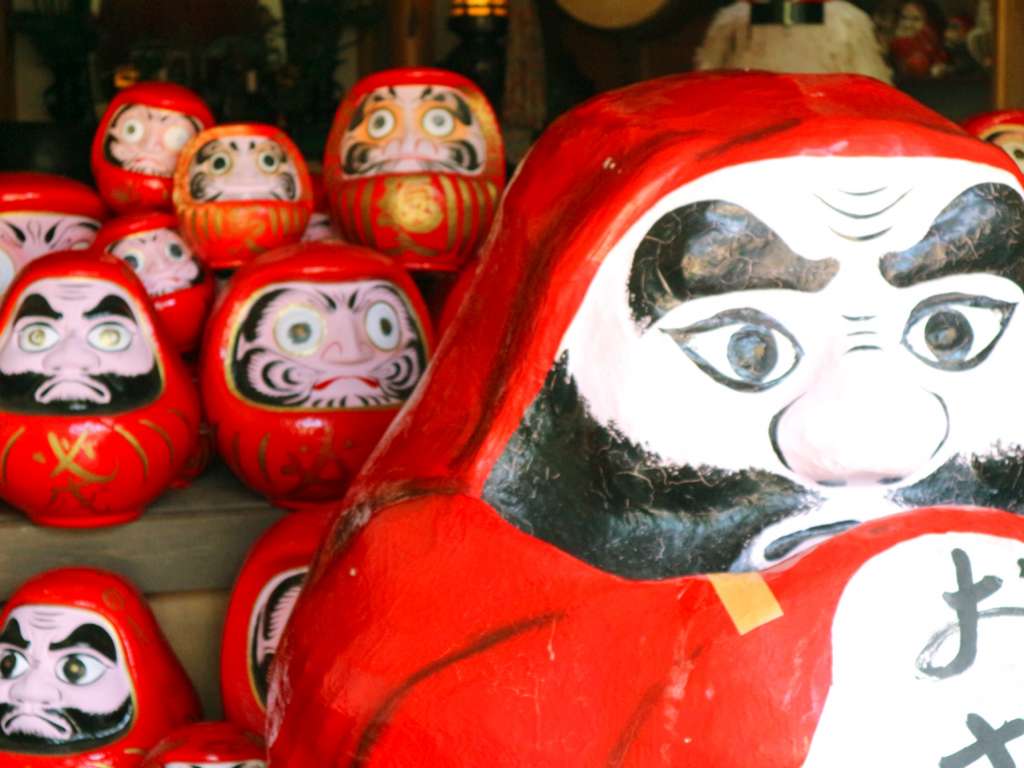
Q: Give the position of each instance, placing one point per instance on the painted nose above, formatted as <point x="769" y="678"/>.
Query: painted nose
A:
<point x="347" y="347"/>
<point x="860" y="425"/>
<point x="72" y="353"/>
<point x="36" y="686"/>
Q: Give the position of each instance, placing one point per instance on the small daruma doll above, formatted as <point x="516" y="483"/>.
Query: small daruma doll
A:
<point x="136" y="147"/>
<point x="414" y="166"/>
<point x="308" y="356"/>
<point x="97" y="412"/>
<point x="41" y="213"/>
<point x="208" y="745"/>
<point x="240" y="190"/>
<point x="1004" y="128"/>
<point x="180" y="288"/>
<point x="261" y="603"/>
<point x="87" y="680"/>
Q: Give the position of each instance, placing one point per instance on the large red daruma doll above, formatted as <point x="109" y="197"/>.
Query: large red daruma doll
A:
<point x="41" y="213"/>
<point x="136" y="147"/>
<point x="261" y="602"/>
<point x="665" y="495"/>
<point x="180" y="287"/>
<point x="414" y="166"/>
<point x="208" y="745"/>
<point x="308" y="356"/>
<point x="87" y="679"/>
<point x="97" y="412"/>
<point x="240" y="190"/>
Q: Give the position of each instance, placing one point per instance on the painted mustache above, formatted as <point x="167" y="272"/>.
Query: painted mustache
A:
<point x="32" y="392"/>
<point x="30" y="731"/>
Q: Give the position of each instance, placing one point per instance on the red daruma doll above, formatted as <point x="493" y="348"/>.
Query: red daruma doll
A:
<point x="136" y="147"/>
<point x="208" y="745"/>
<point x="97" y="412"/>
<point x="240" y="190"/>
<point x="41" y="213"/>
<point x="261" y="603"/>
<point x="308" y="356"/>
<point x="180" y="288"/>
<point x="414" y="166"/>
<point x="87" y="680"/>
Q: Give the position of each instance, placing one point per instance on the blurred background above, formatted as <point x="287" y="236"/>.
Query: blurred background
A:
<point x="288" y="62"/>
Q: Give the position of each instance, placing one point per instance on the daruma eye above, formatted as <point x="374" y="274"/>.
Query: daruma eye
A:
<point x="37" y="337"/>
<point x="382" y="326"/>
<point x="380" y="123"/>
<point x="134" y="259"/>
<point x="133" y="131"/>
<point x="176" y="137"/>
<point x="438" y="122"/>
<point x="298" y="330"/>
<point x="220" y="163"/>
<point x="268" y="162"/>
<point x="12" y="665"/>
<point x="955" y="332"/>
<point x="80" y="669"/>
<point x="110" y="337"/>
<point x="175" y="251"/>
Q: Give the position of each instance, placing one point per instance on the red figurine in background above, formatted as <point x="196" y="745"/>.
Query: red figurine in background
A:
<point x="208" y="745"/>
<point x="414" y="166"/>
<point x="97" y="412"/>
<point x="916" y="47"/>
<point x="309" y="354"/>
<point x="261" y="602"/>
<point x="1004" y="128"/>
<point x="87" y="679"/>
<point x="181" y="289"/>
<point x="665" y="496"/>
<point x="140" y="136"/>
<point x="41" y="213"/>
<point x="240" y="190"/>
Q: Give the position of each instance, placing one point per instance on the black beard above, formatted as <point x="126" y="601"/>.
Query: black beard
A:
<point x="588" y="490"/>
<point x="18" y="393"/>
<point x="89" y="730"/>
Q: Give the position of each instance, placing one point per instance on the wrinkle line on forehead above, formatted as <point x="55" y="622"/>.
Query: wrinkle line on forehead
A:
<point x="713" y="247"/>
<point x="981" y="230"/>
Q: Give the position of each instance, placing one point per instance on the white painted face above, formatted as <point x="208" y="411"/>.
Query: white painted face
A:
<point x="225" y="764"/>
<point x="1012" y="143"/>
<point x="917" y="682"/>
<point x="872" y="370"/>
<point x="267" y="623"/>
<point x="148" y="140"/>
<point x="243" y="168"/>
<point x="63" y="678"/>
<point x="161" y="259"/>
<point x="25" y="236"/>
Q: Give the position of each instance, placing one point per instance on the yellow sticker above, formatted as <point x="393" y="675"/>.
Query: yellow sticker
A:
<point x="747" y="598"/>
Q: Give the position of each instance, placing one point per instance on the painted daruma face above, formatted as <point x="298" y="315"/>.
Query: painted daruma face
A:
<point x="63" y="680"/>
<point x="764" y="366"/>
<point x="270" y="616"/>
<point x="161" y="259"/>
<point x="411" y="129"/>
<point x="148" y="140"/>
<point x="28" y="235"/>
<point x="1011" y="141"/>
<point x="76" y="346"/>
<point x="242" y="168"/>
<point x="323" y="345"/>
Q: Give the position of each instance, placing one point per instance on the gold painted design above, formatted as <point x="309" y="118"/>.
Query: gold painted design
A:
<point x="66" y="452"/>
<point x="38" y="458"/>
<point x="449" y="198"/>
<point x="262" y="456"/>
<point x="275" y="224"/>
<point x="412" y="204"/>
<point x="364" y="209"/>
<point x="162" y="433"/>
<point x="747" y="599"/>
<point x="134" y="443"/>
<point x="7" y="450"/>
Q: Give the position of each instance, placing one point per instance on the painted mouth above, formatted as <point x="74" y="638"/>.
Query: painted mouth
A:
<point x="786" y="545"/>
<point x="366" y="381"/>
<point x="149" y="168"/>
<point x="73" y="389"/>
<point x="35" y="725"/>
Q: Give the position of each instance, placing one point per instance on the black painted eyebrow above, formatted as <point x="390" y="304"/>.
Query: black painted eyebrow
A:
<point x="48" y="237"/>
<point x="710" y="248"/>
<point x="982" y="230"/>
<point x="117" y="115"/>
<point x="207" y="150"/>
<point x="12" y="635"/>
<point x="92" y="636"/>
<point x="326" y="299"/>
<point x="18" y="232"/>
<point x="35" y="305"/>
<point x="111" y="305"/>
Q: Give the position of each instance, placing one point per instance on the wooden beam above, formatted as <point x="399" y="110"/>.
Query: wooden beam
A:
<point x="1008" y="74"/>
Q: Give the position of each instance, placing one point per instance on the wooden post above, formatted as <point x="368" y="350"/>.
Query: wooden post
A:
<point x="8" y="103"/>
<point x="1008" y="68"/>
<point x="411" y="25"/>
